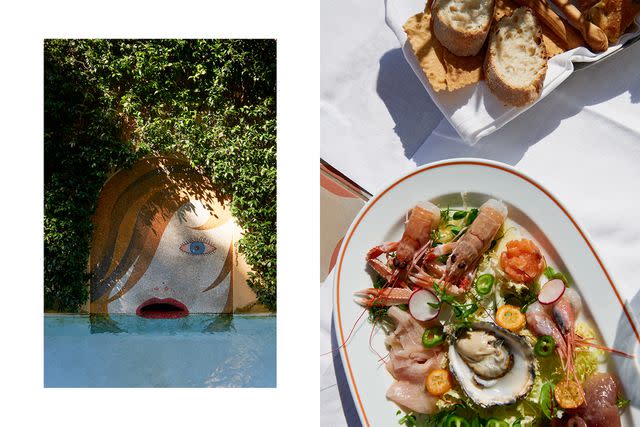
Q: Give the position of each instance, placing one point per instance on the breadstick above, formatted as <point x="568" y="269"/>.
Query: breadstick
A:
<point x="594" y="36"/>
<point x="551" y="19"/>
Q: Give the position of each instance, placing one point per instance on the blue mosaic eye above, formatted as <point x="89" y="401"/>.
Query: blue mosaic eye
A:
<point x="197" y="247"/>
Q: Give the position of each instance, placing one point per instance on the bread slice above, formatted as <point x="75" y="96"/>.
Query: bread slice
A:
<point x="462" y="25"/>
<point x="516" y="60"/>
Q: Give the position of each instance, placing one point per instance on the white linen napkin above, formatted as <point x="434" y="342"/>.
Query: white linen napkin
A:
<point x="473" y="111"/>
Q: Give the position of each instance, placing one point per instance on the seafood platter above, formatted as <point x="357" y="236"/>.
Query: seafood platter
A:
<point x="467" y="295"/>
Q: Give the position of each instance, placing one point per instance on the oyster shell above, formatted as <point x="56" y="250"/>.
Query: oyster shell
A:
<point x="492" y="365"/>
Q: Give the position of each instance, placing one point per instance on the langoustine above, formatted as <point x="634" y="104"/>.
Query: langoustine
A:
<point x="415" y="259"/>
<point x="466" y="252"/>
<point x="422" y="221"/>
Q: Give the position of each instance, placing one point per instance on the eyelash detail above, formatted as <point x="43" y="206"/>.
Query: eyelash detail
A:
<point x="197" y="239"/>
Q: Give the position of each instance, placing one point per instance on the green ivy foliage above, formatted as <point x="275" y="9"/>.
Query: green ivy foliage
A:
<point x="111" y="102"/>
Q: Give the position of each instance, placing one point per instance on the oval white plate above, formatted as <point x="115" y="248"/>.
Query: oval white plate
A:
<point x="531" y="206"/>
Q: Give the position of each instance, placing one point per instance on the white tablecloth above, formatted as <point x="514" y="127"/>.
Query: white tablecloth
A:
<point x="582" y="142"/>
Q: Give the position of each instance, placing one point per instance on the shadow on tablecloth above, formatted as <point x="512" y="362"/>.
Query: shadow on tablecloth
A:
<point x="610" y="78"/>
<point x="348" y="405"/>
<point x="626" y="341"/>
<point x="414" y="113"/>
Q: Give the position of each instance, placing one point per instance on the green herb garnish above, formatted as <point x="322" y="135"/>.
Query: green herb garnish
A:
<point x="473" y="213"/>
<point x="444" y="214"/>
<point x="408" y="420"/>
<point x="435" y="238"/>
<point x="378" y="314"/>
<point x="552" y="274"/>
<point x="461" y="311"/>
<point x="622" y="402"/>
<point x="522" y="298"/>
<point x="530" y="300"/>
<point x="459" y="215"/>
<point x="379" y="283"/>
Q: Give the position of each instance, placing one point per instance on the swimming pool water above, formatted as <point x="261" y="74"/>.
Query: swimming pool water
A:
<point x="130" y="351"/>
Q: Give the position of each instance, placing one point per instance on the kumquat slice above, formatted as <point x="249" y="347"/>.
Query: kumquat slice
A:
<point x="568" y="394"/>
<point x="510" y="317"/>
<point x="438" y="382"/>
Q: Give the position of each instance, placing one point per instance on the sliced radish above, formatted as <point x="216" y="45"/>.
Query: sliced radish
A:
<point x="551" y="291"/>
<point x="419" y="305"/>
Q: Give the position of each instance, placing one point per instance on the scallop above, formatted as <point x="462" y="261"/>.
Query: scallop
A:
<point x="492" y="365"/>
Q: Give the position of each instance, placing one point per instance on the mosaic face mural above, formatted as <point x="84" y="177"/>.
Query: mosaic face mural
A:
<point x="163" y="245"/>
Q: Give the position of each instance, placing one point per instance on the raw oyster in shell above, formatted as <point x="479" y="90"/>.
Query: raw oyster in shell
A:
<point x="492" y="365"/>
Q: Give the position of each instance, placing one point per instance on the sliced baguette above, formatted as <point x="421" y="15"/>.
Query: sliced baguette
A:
<point x="462" y="25"/>
<point x="516" y="61"/>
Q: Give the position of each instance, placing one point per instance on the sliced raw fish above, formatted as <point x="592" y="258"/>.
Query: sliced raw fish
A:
<point x="409" y="363"/>
<point x="408" y="330"/>
<point x="412" y="366"/>
<point x="600" y="410"/>
<point x="412" y="396"/>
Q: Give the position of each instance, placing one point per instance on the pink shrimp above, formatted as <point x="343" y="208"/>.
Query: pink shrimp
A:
<point x="558" y="322"/>
<point x="565" y="312"/>
<point x="541" y="323"/>
<point x="565" y="317"/>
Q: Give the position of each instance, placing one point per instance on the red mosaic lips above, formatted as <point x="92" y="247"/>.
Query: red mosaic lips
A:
<point x="167" y="308"/>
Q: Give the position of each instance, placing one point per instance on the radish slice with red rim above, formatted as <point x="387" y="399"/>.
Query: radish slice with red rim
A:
<point x="551" y="291"/>
<point x="419" y="306"/>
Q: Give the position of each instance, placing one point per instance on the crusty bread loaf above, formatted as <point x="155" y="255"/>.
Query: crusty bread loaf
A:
<point x="608" y="16"/>
<point x="516" y="60"/>
<point x="613" y="16"/>
<point x="462" y="25"/>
